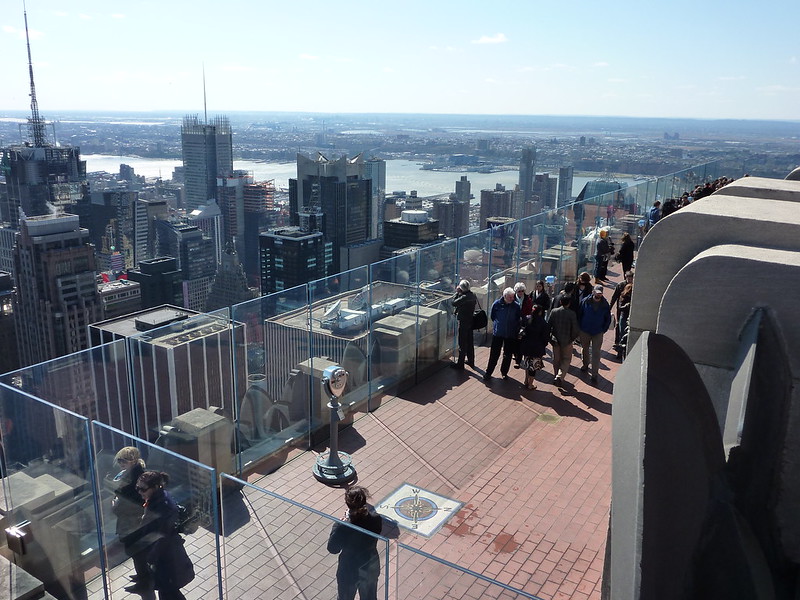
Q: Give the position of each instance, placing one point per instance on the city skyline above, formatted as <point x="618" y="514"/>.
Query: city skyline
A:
<point x="693" y="61"/>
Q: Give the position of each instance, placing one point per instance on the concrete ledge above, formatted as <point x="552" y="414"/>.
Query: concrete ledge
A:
<point x="709" y="300"/>
<point x="712" y="221"/>
<point x="762" y="188"/>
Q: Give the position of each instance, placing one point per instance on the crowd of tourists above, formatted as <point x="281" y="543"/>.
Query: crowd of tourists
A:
<point x="659" y="211"/>
<point x="525" y="323"/>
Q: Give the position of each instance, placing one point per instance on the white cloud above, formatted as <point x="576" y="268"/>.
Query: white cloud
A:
<point x="600" y="64"/>
<point x="498" y="38"/>
<point x="731" y="78"/>
<point x="388" y="70"/>
<point x="617" y="80"/>
<point x="793" y="60"/>
<point x="60" y="13"/>
<point x="9" y="29"/>
<point x="85" y="17"/>
<point x="305" y="56"/>
<point x="118" y="16"/>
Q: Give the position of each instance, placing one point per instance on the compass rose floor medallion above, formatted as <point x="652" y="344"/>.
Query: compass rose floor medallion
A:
<point x="418" y="510"/>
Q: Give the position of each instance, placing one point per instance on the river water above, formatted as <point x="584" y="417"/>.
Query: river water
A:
<point x="403" y="175"/>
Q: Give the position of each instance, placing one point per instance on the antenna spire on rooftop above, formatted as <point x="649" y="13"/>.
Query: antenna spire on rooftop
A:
<point x="205" y="107"/>
<point x="35" y="121"/>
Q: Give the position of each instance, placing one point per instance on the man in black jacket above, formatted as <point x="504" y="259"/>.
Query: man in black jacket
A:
<point x="464" y="302"/>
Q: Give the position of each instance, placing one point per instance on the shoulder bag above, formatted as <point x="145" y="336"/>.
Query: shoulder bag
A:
<point x="479" y="318"/>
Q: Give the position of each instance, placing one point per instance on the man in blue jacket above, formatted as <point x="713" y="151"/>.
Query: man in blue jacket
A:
<point x="594" y="319"/>
<point x="505" y="316"/>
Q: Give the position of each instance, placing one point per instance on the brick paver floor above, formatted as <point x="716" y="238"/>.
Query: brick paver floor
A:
<point x="532" y="468"/>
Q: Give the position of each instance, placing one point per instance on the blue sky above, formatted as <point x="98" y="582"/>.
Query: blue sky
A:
<point x="700" y="59"/>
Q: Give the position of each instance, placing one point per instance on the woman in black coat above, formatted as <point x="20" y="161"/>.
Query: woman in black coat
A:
<point x="540" y="296"/>
<point x="169" y="564"/>
<point x="464" y="302"/>
<point x="359" y="562"/>
<point x="535" y="336"/>
<point x="625" y="254"/>
<point x="127" y="506"/>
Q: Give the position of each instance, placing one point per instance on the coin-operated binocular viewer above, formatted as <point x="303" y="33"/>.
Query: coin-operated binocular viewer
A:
<point x="334" y="467"/>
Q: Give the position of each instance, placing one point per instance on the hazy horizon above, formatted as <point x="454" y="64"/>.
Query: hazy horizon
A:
<point x="180" y="113"/>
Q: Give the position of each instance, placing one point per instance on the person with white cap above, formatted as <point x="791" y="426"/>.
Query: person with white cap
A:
<point x="594" y="319"/>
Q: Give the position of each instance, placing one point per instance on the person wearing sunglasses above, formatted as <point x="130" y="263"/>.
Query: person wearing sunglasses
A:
<point x="169" y="566"/>
<point x="127" y="506"/>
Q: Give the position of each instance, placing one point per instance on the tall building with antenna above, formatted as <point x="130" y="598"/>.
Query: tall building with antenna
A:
<point x="207" y="154"/>
<point x="42" y="177"/>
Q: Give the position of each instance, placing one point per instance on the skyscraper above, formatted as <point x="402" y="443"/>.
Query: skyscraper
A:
<point x="207" y="154"/>
<point x="244" y="204"/>
<point x="146" y="213"/>
<point x="208" y="219"/>
<point x="545" y="187"/>
<point x="565" y="178"/>
<point x="112" y="226"/>
<point x="56" y="288"/>
<point x="340" y="190"/>
<point x="495" y="203"/>
<point x="159" y="280"/>
<point x="413" y="228"/>
<point x="196" y="259"/>
<point x="453" y="217"/>
<point x="291" y="257"/>
<point x="375" y="169"/>
<point x="527" y="171"/>
<point x="229" y="286"/>
<point x="42" y="178"/>
<point x="8" y="333"/>
<point x="463" y="190"/>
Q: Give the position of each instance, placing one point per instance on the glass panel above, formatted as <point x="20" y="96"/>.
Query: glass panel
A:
<point x="421" y="576"/>
<point x="276" y="548"/>
<point x="437" y="323"/>
<point x="504" y="250"/>
<point x="394" y="298"/>
<point x="48" y="492"/>
<point x="273" y="411"/>
<point x="339" y="336"/>
<point x="538" y="261"/>
<point x="185" y="366"/>
<point x="144" y="541"/>
<point x="93" y="383"/>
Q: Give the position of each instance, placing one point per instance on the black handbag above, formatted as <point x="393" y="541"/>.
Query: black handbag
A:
<point x="479" y="318"/>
